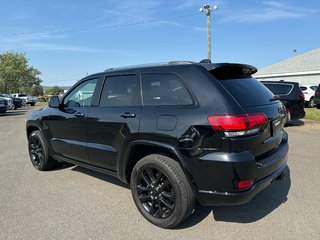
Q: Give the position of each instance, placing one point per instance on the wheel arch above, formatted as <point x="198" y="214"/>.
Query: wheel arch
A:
<point x="140" y="148"/>
<point x="32" y="128"/>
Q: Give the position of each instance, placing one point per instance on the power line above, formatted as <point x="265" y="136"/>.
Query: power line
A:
<point x="99" y="27"/>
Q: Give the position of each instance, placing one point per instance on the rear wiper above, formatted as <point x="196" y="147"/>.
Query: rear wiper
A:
<point x="274" y="98"/>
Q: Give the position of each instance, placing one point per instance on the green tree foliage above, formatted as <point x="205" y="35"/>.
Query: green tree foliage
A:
<point x="16" y="75"/>
<point x="54" y="91"/>
<point x="36" y="90"/>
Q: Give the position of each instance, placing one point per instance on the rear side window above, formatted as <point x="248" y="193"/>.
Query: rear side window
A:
<point x="314" y="88"/>
<point x="164" y="89"/>
<point x="303" y="88"/>
<point x="119" y="91"/>
<point x="247" y="91"/>
<point x="279" y="88"/>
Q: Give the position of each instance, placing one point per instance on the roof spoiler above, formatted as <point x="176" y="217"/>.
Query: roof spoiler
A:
<point x="229" y="70"/>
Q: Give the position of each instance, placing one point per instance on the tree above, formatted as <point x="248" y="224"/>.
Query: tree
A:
<point x="54" y="91"/>
<point x="36" y="90"/>
<point x="15" y="73"/>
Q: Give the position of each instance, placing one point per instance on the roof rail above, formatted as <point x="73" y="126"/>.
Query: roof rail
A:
<point x="205" y="61"/>
<point x="180" y="62"/>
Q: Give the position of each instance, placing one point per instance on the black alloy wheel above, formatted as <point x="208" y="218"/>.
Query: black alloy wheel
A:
<point x="161" y="191"/>
<point x="36" y="151"/>
<point x="39" y="152"/>
<point x="156" y="193"/>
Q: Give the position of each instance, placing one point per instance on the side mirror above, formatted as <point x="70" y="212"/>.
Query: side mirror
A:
<point x="54" y="102"/>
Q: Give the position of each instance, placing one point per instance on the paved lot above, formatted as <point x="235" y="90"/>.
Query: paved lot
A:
<point x="75" y="203"/>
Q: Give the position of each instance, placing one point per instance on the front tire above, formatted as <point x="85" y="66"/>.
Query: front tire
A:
<point x="161" y="191"/>
<point x="39" y="152"/>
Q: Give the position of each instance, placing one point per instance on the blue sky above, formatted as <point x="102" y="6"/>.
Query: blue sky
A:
<point x="67" y="39"/>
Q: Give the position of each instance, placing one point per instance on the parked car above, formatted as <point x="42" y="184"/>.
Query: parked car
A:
<point x="3" y="105"/>
<point x="9" y="101"/>
<point x="31" y="100"/>
<point x="176" y="132"/>
<point x="317" y="97"/>
<point x="290" y="95"/>
<point x="309" y="91"/>
<point x="16" y="102"/>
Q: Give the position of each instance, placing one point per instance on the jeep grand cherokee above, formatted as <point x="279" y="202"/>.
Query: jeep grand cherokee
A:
<point x="178" y="133"/>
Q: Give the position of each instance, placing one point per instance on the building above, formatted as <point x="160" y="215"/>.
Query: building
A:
<point x="304" y="69"/>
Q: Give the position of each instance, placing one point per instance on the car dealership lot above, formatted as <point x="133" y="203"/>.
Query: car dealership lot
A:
<point x="76" y="203"/>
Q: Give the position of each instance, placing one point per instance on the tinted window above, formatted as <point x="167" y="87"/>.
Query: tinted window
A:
<point x="164" y="89"/>
<point x="120" y="91"/>
<point x="279" y="88"/>
<point x="81" y="96"/>
<point x="303" y="88"/>
<point x="22" y="95"/>
<point x="314" y="88"/>
<point x="247" y="91"/>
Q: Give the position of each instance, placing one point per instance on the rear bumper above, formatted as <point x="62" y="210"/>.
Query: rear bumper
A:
<point x="297" y="115"/>
<point x="209" y="198"/>
<point x="218" y="174"/>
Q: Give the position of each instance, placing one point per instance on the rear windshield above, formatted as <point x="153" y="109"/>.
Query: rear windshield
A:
<point x="279" y="88"/>
<point x="248" y="91"/>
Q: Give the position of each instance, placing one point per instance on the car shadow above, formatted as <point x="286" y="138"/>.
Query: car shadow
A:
<point x="295" y="123"/>
<point x="260" y="206"/>
<point x="13" y="113"/>
<point x="101" y="176"/>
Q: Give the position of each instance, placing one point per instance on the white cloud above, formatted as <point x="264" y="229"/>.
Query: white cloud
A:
<point x="39" y="42"/>
<point x="269" y="11"/>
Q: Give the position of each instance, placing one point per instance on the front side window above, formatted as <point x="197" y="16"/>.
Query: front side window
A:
<point x="164" y="89"/>
<point x="82" y="95"/>
<point x="119" y="91"/>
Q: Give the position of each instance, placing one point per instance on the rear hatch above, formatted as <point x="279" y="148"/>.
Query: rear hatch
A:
<point x="255" y="100"/>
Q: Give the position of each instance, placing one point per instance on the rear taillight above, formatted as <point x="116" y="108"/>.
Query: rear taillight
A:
<point x="241" y="122"/>
<point x="317" y="91"/>
<point x="301" y="95"/>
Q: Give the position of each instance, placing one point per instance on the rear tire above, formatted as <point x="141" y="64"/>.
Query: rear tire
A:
<point x="161" y="191"/>
<point x="312" y="103"/>
<point x="318" y="106"/>
<point x="32" y="104"/>
<point x="288" y="118"/>
<point x="39" y="152"/>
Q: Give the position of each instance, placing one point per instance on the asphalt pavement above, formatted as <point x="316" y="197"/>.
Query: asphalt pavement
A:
<point x="75" y="203"/>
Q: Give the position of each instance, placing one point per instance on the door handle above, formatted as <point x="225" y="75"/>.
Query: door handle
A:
<point x="79" y="114"/>
<point x="127" y="115"/>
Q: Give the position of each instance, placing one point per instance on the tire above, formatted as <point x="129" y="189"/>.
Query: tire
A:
<point x="318" y="106"/>
<point x="161" y="191"/>
<point x="32" y="104"/>
<point x="312" y="103"/>
<point x="39" y="152"/>
<point x="288" y="118"/>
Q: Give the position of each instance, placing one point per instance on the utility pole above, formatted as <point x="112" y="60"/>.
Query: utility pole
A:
<point x="207" y="10"/>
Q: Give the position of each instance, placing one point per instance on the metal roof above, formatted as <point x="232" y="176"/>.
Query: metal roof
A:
<point x="307" y="62"/>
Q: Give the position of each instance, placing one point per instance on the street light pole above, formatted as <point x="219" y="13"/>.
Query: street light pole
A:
<point x="207" y="10"/>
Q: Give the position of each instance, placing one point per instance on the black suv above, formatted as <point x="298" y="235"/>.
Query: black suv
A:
<point x="176" y="132"/>
<point x="290" y="95"/>
<point x="317" y="97"/>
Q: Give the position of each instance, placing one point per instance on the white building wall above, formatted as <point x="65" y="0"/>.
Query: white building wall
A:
<point x="302" y="79"/>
